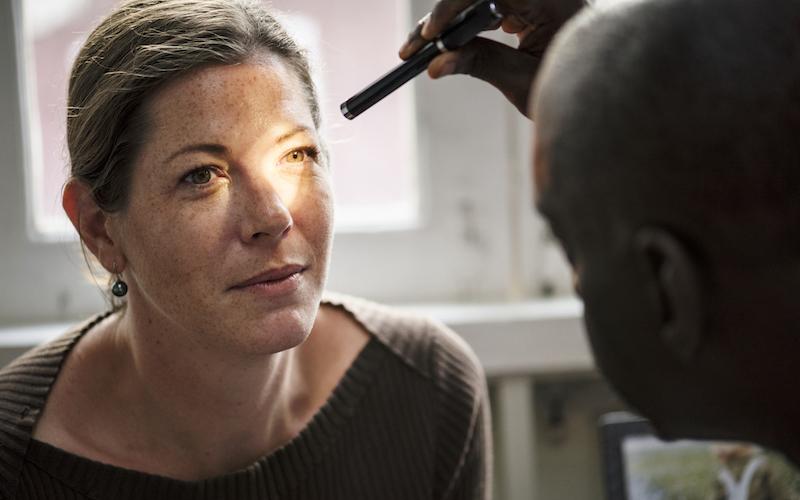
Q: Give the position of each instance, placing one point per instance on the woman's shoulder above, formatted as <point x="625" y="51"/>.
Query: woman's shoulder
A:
<point x="451" y="386"/>
<point x="26" y="382"/>
<point x="42" y="362"/>
<point x="424" y="344"/>
<point x="25" y="385"/>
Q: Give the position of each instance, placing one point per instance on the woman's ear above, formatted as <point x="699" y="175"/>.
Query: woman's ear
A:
<point x="674" y="275"/>
<point x="91" y="222"/>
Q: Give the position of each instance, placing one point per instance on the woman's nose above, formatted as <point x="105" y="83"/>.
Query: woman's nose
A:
<point x="266" y="215"/>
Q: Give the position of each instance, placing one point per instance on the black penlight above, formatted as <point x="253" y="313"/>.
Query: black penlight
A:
<point x="478" y="17"/>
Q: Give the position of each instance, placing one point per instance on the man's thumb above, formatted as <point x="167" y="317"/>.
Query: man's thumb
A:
<point x="506" y="68"/>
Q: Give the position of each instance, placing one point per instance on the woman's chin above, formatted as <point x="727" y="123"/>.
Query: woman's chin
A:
<point x="276" y="332"/>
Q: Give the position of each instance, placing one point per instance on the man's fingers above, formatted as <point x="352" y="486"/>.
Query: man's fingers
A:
<point x="412" y="44"/>
<point x="514" y="24"/>
<point x="443" y="12"/>
<point x="504" y="67"/>
<point x="431" y="25"/>
<point x="414" y="41"/>
<point x="445" y="64"/>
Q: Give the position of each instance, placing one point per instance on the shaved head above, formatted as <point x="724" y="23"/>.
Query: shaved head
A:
<point x="683" y="112"/>
<point x="667" y="160"/>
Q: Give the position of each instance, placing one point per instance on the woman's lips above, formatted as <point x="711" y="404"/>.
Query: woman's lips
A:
<point x="278" y="281"/>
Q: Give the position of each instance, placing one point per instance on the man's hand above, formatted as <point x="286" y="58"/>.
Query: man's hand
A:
<point x="510" y="70"/>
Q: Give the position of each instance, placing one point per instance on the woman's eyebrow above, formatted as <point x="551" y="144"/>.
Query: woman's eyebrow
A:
<point x="217" y="149"/>
<point x="292" y="132"/>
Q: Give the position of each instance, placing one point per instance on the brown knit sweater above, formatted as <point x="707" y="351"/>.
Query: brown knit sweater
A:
<point x="409" y="420"/>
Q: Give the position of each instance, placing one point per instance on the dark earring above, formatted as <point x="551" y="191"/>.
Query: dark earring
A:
<point x="119" y="288"/>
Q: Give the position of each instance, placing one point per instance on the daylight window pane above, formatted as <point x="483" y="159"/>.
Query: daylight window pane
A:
<point x="374" y="156"/>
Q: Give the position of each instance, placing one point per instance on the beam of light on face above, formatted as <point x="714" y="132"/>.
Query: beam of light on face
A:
<point x="295" y="164"/>
<point x="292" y="190"/>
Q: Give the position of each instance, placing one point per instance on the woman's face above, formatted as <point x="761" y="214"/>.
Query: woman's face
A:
<point x="228" y="228"/>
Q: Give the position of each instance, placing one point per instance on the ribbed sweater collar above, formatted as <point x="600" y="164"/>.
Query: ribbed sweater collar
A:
<point x="26" y="383"/>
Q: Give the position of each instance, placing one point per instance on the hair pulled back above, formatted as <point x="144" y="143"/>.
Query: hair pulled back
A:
<point x="139" y="47"/>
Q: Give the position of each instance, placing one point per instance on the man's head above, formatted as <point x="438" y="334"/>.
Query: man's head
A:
<point x="667" y="160"/>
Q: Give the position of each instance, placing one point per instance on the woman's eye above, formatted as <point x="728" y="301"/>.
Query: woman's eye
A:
<point x="296" y="157"/>
<point x="302" y="155"/>
<point x="199" y="176"/>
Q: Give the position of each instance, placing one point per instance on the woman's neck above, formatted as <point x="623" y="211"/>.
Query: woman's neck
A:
<point x="208" y="410"/>
<point x="150" y="400"/>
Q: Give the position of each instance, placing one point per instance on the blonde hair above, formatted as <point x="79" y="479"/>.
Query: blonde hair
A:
<point x="140" y="46"/>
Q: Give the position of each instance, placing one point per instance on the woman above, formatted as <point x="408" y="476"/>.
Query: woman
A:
<point x="200" y="181"/>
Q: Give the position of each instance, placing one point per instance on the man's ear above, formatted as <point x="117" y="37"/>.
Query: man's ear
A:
<point x="674" y="276"/>
<point x="91" y="223"/>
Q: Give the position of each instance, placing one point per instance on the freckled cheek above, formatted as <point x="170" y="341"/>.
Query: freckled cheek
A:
<point x="313" y="216"/>
<point x="172" y="247"/>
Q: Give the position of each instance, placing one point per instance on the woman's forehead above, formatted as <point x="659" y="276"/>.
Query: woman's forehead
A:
<point x="222" y="100"/>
